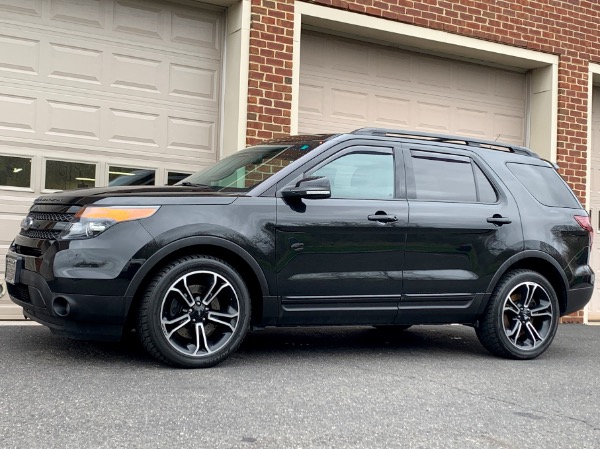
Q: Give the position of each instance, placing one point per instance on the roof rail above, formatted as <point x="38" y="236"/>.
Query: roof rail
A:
<point x="464" y="140"/>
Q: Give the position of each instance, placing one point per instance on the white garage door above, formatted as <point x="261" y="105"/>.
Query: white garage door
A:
<point x="347" y="84"/>
<point x="91" y="90"/>
<point x="594" y="306"/>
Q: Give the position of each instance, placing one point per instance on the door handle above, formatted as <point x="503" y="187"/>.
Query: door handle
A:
<point x="383" y="218"/>
<point x="499" y="220"/>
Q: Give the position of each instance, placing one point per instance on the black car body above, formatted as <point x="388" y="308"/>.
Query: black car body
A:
<point x="438" y="229"/>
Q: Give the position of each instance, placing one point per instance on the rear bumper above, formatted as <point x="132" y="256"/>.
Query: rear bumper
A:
<point x="577" y="298"/>
<point x="78" y="316"/>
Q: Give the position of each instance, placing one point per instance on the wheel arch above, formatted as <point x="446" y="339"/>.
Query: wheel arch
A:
<point x="539" y="262"/>
<point x="220" y="248"/>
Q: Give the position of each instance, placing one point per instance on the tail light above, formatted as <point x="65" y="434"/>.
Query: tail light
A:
<point x="584" y="222"/>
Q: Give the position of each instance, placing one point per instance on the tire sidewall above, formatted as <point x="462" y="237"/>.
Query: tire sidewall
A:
<point x="526" y="276"/>
<point x="155" y="298"/>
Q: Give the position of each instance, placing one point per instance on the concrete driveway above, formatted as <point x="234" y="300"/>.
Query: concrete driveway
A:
<point x="430" y="387"/>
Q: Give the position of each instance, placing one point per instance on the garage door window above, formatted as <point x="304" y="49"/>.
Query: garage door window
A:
<point x="173" y="177"/>
<point x="125" y="176"/>
<point x="63" y="175"/>
<point x="15" y="171"/>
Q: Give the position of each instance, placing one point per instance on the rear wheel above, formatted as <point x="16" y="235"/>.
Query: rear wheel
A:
<point x="195" y="312"/>
<point x="521" y="318"/>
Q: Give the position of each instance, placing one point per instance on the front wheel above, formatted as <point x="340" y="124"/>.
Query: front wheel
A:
<point x="521" y="318"/>
<point x="194" y="313"/>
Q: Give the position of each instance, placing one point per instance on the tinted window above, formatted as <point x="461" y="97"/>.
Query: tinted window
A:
<point x="444" y="179"/>
<point x="360" y="175"/>
<point x="545" y="184"/>
<point x="487" y="194"/>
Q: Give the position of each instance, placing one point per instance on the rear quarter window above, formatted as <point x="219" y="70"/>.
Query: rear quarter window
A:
<point x="545" y="185"/>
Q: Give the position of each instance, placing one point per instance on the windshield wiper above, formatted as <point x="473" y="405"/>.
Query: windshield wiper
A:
<point x="192" y="184"/>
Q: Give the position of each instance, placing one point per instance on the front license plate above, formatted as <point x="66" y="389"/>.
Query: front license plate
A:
<point x="12" y="270"/>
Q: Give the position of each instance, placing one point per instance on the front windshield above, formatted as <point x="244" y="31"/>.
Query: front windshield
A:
<point x="243" y="171"/>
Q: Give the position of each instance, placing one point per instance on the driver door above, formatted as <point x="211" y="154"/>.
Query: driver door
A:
<point x="340" y="259"/>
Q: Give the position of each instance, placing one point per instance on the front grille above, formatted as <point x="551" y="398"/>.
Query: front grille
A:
<point x="19" y="291"/>
<point x="44" y="234"/>
<point x="47" y="221"/>
<point x="50" y="216"/>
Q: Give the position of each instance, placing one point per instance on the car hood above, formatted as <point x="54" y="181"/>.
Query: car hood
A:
<point x="138" y="195"/>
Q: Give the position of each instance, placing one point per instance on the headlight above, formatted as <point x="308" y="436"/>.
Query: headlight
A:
<point x="91" y="221"/>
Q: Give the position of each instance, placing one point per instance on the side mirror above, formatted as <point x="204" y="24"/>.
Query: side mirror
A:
<point x="314" y="187"/>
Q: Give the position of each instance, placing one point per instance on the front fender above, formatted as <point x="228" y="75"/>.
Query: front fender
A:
<point x="218" y="242"/>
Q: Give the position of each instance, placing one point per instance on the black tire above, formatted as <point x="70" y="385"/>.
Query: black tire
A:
<point x="196" y="332"/>
<point x="521" y="317"/>
<point x="392" y="328"/>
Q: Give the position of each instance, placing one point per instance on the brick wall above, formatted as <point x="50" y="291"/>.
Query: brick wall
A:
<point x="270" y="77"/>
<point x="567" y="28"/>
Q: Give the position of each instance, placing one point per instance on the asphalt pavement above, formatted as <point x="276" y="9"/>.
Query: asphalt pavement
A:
<point x="429" y="387"/>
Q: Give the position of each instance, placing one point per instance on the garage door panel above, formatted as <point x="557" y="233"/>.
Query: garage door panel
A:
<point x="19" y="54"/>
<point x="509" y="128"/>
<point x="404" y="89"/>
<point x="170" y="26"/>
<point x="18" y="113"/>
<point x="122" y="83"/>
<point x="594" y="305"/>
<point x="388" y="67"/>
<point x="433" y="117"/>
<point x="140" y="18"/>
<point x="28" y="7"/>
<point x="102" y="69"/>
<point x="99" y="122"/>
<point x="188" y="138"/>
<point x="392" y="111"/>
<point x="70" y="62"/>
<point x="90" y="13"/>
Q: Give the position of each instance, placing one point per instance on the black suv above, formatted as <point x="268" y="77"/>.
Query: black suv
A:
<point x="375" y="227"/>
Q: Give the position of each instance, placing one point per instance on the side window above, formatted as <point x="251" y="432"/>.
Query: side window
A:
<point x="545" y="184"/>
<point x="451" y="178"/>
<point x="487" y="193"/>
<point x="360" y="175"/>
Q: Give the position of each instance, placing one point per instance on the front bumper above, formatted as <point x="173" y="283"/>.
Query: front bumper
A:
<point x="78" y="316"/>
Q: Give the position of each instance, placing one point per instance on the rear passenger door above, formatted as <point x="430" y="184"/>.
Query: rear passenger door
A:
<point x="463" y="224"/>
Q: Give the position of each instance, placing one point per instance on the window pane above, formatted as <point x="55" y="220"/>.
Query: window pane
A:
<point x="360" y="175"/>
<point x="126" y="176"/>
<point x="15" y="171"/>
<point x="444" y="180"/>
<point x="545" y="184"/>
<point x="487" y="194"/>
<point x="174" y="177"/>
<point x="245" y="169"/>
<point x="61" y="175"/>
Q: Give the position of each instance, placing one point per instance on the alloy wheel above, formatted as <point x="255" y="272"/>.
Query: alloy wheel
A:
<point x="527" y="316"/>
<point x="199" y="313"/>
